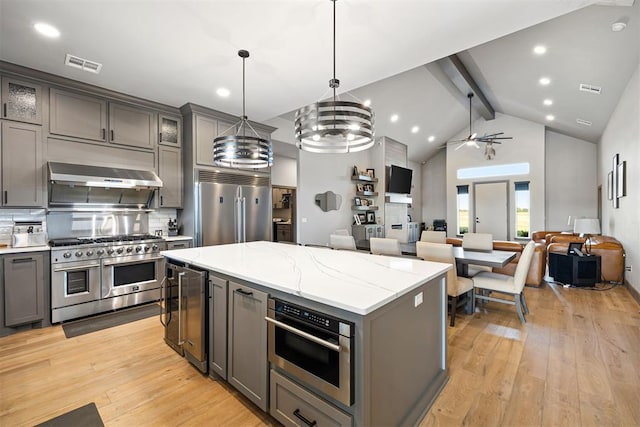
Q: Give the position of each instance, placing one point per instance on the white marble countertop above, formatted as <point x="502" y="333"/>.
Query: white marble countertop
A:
<point x="12" y="250"/>
<point x="354" y="281"/>
<point x="176" y="238"/>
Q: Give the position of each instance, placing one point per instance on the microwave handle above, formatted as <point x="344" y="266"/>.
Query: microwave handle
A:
<point x="180" y="275"/>
<point x="304" y="334"/>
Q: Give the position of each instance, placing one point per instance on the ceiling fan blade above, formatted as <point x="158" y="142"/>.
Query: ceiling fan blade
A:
<point x="472" y="136"/>
<point x="460" y="146"/>
<point x="475" y="144"/>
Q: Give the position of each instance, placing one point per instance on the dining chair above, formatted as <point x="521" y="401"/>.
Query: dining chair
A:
<point x="433" y="236"/>
<point x="384" y="246"/>
<point x="504" y="284"/>
<point x="479" y="242"/>
<point x="338" y="241"/>
<point x="456" y="285"/>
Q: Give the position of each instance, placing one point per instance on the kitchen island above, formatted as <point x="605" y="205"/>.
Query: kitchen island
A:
<point x="397" y="307"/>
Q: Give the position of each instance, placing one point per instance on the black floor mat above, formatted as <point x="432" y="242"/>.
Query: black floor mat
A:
<point x="85" y="416"/>
<point x="104" y="321"/>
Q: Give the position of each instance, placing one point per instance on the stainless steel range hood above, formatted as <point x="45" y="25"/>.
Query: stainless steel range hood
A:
<point x="85" y="187"/>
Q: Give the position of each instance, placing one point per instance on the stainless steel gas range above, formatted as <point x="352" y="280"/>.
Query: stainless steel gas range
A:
<point x="97" y="274"/>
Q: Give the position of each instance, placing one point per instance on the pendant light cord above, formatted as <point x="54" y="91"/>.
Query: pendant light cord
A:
<point x="334" y="48"/>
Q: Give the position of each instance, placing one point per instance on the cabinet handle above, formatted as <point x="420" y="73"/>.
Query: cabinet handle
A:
<point x="5" y="109"/>
<point x="160" y="137"/>
<point x="104" y="133"/>
<point x="6" y="196"/>
<point x="21" y="260"/>
<point x="161" y="201"/>
<point x="112" y="134"/>
<point x="303" y="419"/>
<point x="179" y="245"/>
<point x="245" y="293"/>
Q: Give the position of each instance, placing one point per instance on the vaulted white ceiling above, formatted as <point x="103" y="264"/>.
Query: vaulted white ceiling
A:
<point x="174" y="52"/>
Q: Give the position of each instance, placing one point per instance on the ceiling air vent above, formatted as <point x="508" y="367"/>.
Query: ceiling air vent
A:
<point x="83" y="64"/>
<point x="590" y="88"/>
<point x="584" y="122"/>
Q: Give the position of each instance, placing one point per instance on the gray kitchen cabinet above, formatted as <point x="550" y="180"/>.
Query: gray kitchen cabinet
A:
<point x="206" y="130"/>
<point x="76" y="115"/>
<point x="169" y="130"/>
<point x="247" y="368"/>
<point x="24" y="286"/>
<point x="217" y="325"/>
<point x="21" y="101"/>
<point x="294" y="406"/>
<point x="22" y="178"/>
<point x="170" y="172"/>
<point x="132" y="126"/>
<point x="283" y="232"/>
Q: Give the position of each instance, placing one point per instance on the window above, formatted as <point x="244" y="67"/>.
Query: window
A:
<point x="494" y="170"/>
<point x="522" y="202"/>
<point x="463" y="209"/>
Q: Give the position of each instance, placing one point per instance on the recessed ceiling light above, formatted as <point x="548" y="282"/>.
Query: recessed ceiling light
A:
<point x="46" y="29"/>
<point x="539" y="50"/>
<point x="550" y="117"/>
<point x="394" y="118"/>
<point x="431" y="138"/>
<point x="367" y="103"/>
<point x="618" y="26"/>
<point x="547" y="102"/>
<point x="415" y="129"/>
<point x="545" y="81"/>
<point x="223" y="92"/>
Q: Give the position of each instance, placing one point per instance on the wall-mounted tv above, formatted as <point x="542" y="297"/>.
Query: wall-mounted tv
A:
<point x="398" y="180"/>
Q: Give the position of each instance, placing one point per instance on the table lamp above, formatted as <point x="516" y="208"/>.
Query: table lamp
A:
<point x="586" y="227"/>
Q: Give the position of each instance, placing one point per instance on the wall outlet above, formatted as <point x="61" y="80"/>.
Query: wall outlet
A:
<point x="417" y="300"/>
<point x="627" y="268"/>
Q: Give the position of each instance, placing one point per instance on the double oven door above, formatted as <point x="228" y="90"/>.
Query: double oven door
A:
<point x="75" y="283"/>
<point x="126" y="275"/>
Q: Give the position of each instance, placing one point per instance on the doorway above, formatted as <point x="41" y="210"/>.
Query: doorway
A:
<point x="491" y="209"/>
<point x="284" y="214"/>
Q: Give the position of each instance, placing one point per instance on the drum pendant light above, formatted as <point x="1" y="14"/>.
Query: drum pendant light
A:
<point x="334" y="126"/>
<point x="242" y="150"/>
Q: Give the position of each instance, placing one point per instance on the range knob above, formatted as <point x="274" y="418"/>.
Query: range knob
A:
<point x="154" y="247"/>
<point x="79" y="254"/>
<point x="100" y="251"/>
<point x="120" y="250"/>
<point x="89" y="252"/>
<point x="110" y="251"/>
<point x="146" y="248"/>
<point x="138" y="249"/>
<point x="67" y="255"/>
<point x="129" y="249"/>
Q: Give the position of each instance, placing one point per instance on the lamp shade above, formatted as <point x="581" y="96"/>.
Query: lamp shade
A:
<point x="586" y="226"/>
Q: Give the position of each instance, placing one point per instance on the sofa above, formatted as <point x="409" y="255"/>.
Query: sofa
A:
<point x="535" y="276"/>
<point x="610" y="250"/>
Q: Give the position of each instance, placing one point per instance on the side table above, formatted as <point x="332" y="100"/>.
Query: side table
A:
<point x="574" y="269"/>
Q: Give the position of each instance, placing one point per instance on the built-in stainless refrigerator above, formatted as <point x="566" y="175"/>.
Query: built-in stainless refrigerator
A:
<point x="232" y="208"/>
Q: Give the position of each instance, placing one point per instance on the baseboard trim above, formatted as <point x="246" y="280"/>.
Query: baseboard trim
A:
<point x="634" y="293"/>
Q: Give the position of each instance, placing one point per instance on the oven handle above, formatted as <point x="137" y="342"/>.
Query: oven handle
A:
<point x="84" y="267"/>
<point x="180" y="341"/>
<point x="304" y="334"/>
<point x="137" y="261"/>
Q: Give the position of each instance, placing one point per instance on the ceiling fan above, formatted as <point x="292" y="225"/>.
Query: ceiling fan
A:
<point x="473" y="139"/>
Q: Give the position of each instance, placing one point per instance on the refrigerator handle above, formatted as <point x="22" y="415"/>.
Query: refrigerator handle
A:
<point x="163" y="301"/>
<point x="244" y="219"/>
<point x="237" y="219"/>
<point x="180" y="275"/>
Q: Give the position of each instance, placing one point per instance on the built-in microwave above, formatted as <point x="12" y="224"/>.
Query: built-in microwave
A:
<point x="316" y="348"/>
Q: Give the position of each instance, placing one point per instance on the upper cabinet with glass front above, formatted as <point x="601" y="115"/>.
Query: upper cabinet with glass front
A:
<point x="21" y="101"/>
<point x="170" y="130"/>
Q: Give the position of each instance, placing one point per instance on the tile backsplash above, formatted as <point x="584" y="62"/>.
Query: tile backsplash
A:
<point x="9" y="216"/>
<point x="159" y="220"/>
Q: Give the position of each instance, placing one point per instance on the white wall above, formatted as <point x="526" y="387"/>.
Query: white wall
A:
<point x="284" y="172"/>
<point x="527" y="145"/>
<point x="318" y="173"/>
<point x="622" y="136"/>
<point x="434" y="188"/>
<point x="571" y="180"/>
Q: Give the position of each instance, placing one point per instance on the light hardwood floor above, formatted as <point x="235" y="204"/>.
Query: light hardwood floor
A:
<point x="576" y="362"/>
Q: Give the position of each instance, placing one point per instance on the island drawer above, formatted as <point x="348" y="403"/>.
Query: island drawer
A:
<point x="294" y="406"/>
